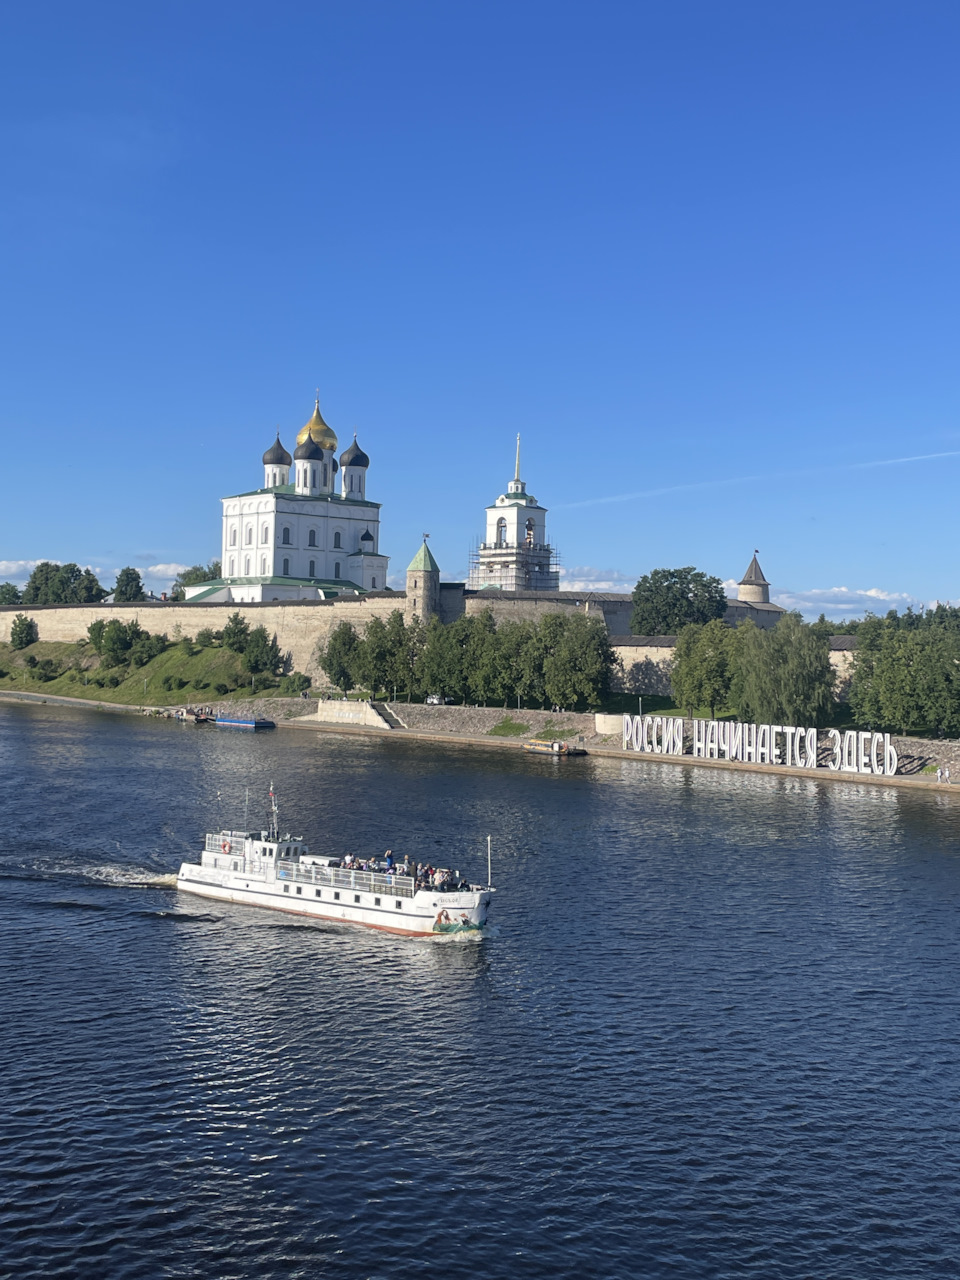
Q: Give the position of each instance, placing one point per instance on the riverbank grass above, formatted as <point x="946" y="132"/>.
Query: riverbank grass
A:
<point x="182" y="674"/>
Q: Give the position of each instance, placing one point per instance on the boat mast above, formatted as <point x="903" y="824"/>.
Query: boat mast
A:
<point x="489" y="869"/>
<point x="274" y="831"/>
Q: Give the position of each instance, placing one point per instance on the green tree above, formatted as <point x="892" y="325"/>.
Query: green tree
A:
<point x="481" y="659"/>
<point x="578" y="660"/>
<point x="372" y="660"/>
<point x="236" y="633"/>
<point x="9" y="593"/>
<point x="261" y="654"/>
<point x="666" y="600"/>
<point x="703" y="666"/>
<point x="336" y="658"/>
<point x="95" y="633"/>
<point x="117" y="641"/>
<point x="23" y="631"/>
<point x="784" y="675"/>
<point x="129" y="588"/>
<point x="62" y="584"/>
<point x="193" y="577"/>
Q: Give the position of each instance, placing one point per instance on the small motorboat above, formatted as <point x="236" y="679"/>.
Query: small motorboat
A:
<point x="554" y="748"/>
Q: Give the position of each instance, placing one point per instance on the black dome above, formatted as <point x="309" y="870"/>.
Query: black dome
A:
<point x="276" y="455"/>
<point x="308" y="451"/>
<point x="366" y="537"/>
<point x="354" y="456"/>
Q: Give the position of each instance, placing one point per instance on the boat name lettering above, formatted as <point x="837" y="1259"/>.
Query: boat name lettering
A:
<point x="851" y="750"/>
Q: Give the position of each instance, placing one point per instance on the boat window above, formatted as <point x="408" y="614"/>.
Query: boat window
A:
<point x="299" y="890"/>
<point x="399" y="905"/>
<point x="286" y="888"/>
<point x="356" y="897"/>
<point x="376" y="902"/>
<point x="337" y="896"/>
<point x="318" y="893"/>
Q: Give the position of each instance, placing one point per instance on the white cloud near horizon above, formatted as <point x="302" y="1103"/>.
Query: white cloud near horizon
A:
<point x="17" y="571"/>
<point x="583" y="577"/>
<point x="170" y="570"/>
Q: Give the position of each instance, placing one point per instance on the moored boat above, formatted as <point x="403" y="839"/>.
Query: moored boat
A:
<point x="555" y="748"/>
<point x="234" y="722"/>
<point x="269" y="869"/>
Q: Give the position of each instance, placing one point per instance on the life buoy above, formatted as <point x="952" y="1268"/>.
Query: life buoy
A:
<point x="225" y="846"/>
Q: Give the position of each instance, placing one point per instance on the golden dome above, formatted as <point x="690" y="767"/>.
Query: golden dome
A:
<point x="318" y="429"/>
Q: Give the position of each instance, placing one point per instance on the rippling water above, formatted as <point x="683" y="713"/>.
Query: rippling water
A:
<point x="714" y="1034"/>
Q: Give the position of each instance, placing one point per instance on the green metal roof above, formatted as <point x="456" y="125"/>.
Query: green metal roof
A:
<point x="288" y="491"/>
<point x="424" y="561"/>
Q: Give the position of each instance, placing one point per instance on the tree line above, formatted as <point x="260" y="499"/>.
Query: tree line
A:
<point x="52" y="583"/>
<point x="906" y="671"/>
<point x="561" y="660"/>
<point x="777" y="676"/>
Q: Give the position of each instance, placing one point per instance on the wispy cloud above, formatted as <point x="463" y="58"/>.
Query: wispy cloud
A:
<point x="170" y="570"/>
<point x="587" y="578"/>
<point x="17" y="571"/>
<point x="846" y="602"/>
<point x="729" y="481"/>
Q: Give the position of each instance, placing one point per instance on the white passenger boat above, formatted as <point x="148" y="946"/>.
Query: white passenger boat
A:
<point x="267" y="869"/>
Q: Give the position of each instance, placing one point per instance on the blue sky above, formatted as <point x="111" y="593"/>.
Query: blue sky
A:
<point x="703" y="257"/>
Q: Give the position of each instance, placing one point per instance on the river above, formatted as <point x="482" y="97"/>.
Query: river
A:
<point x="713" y="1034"/>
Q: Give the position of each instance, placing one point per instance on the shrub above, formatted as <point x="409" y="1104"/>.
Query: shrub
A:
<point x="199" y="684"/>
<point x="221" y="689"/>
<point x="186" y="646"/>
<point x="205" y="638"/>
<point x="23" y="631"/>
<point x="235" y="633"/>
<point x="30" y="660"/>
<point x="293" y="685"/>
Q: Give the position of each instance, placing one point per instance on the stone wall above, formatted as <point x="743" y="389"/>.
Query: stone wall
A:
<point x="297" y="624"/>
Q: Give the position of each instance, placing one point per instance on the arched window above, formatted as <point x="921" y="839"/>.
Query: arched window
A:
<point x="249" y="537"/>
<point x="233" y="537"/>
<point x="264" y="533"/>
<point x="232" y="566"/>
<point x="530" y="528"/>
<point x="313" y="482"/>
<point x="501" y="532"/>
<point x="324" y="475"/>
<point x="312" y="538"/>
<point x="373" y="583"/>
<point x="286" y="568"/>
<point x="414" y="584"/>
<point x="351" y="484"/>
<point x="336" y="569"/>
<point x="263" y="564"/>
<point x="336" y="540"/>
<point x="246" y="566"/>
<point x="286" y="535"/>
<point x="313" y="569"/>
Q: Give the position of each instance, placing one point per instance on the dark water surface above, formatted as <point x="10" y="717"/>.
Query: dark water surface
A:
<point x="716" y="1034"/>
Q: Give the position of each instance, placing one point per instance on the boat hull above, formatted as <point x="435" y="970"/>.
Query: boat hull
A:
<point x="425" y="915"/>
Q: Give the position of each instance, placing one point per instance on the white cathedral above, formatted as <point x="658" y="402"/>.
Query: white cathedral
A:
<point x="305" y="538"/>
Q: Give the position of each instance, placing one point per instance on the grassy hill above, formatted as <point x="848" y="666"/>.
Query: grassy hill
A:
<point x="181" y="674"/>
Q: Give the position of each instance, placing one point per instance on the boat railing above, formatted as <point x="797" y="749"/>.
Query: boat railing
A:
<point x="216" y="841"/>
<point x="344" y="878"/>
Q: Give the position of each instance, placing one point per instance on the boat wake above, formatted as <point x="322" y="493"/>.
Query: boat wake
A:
<point x="111" y="875"/>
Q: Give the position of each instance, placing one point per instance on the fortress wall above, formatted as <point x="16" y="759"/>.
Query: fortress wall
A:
<point x="298" y="625"/>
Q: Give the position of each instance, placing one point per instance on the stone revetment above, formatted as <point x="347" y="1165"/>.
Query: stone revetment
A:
<point x="850" y="751"/>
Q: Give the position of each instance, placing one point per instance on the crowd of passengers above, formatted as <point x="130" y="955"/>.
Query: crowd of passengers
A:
<point x="425" y="875"/>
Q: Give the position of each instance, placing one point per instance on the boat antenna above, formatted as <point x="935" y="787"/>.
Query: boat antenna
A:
<point x="246" y="806"/>
<point x="274" y="816"/>
<point x="489" y="858"/>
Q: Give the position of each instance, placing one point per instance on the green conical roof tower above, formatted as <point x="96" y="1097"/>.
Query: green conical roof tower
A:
<point x="423" y="561"/>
